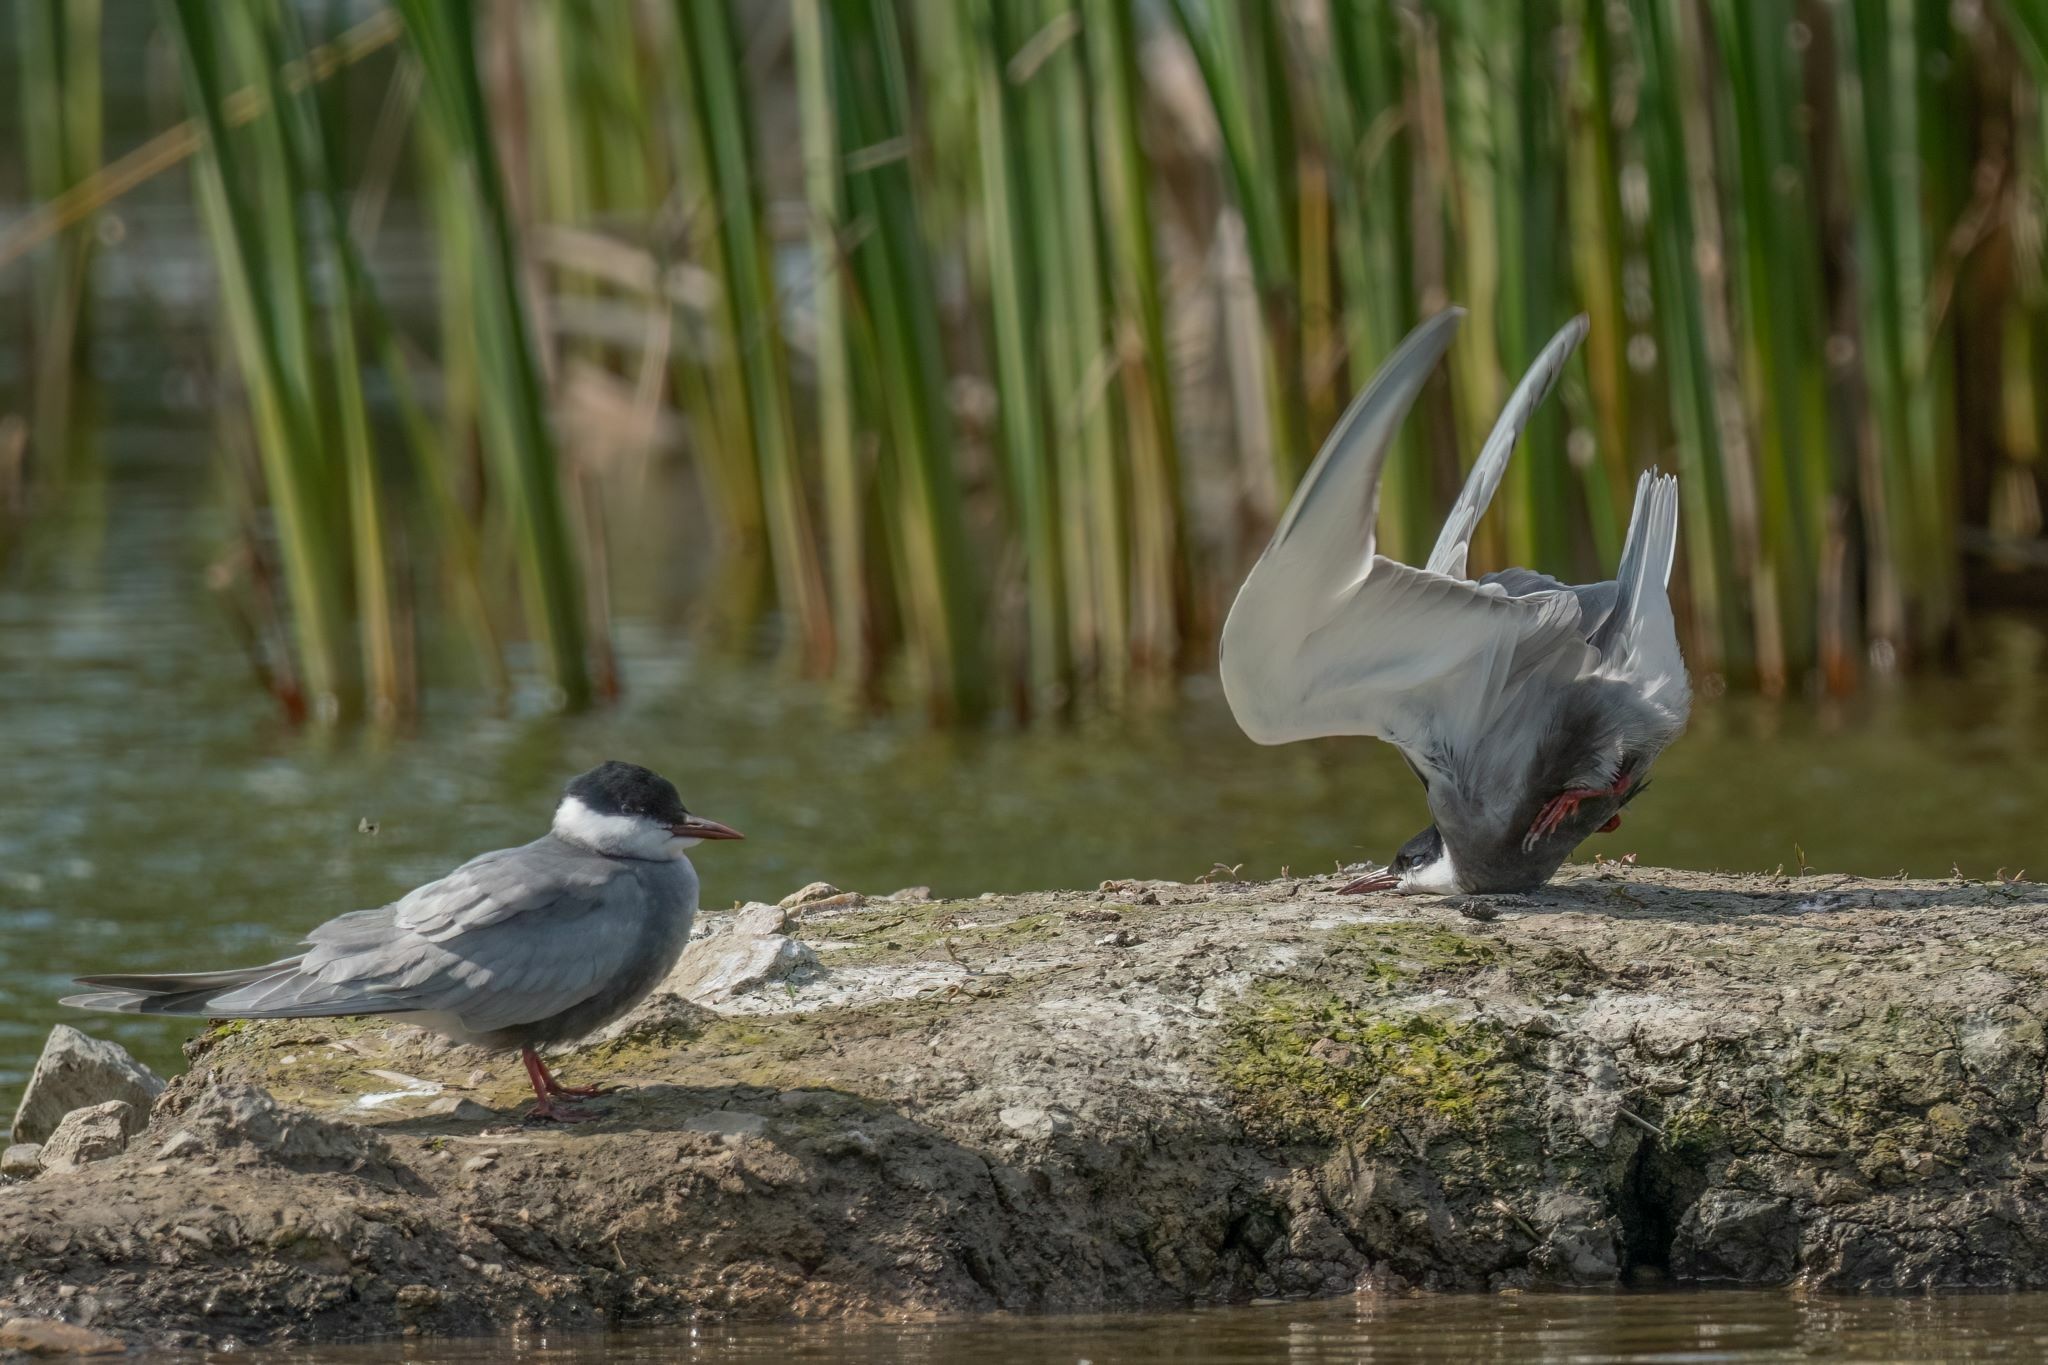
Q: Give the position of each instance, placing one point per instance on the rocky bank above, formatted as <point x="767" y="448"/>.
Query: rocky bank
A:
<point x="1150" y="1094"/>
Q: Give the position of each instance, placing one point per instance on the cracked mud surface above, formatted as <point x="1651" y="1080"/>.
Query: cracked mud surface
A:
<point x="1151" y="1094"/>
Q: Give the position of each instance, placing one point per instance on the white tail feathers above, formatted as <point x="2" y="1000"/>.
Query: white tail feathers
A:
<point x="1652" y="533"/>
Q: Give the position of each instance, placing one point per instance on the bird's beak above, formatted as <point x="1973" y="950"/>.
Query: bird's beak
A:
<point x="697" y="827"/>
<point x="1372" y="881"/>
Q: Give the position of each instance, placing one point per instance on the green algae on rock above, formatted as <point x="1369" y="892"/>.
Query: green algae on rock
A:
<point x="1156" y="1093"/>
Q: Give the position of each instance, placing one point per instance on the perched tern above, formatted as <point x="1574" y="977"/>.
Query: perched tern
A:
<point x="538" y="944"/>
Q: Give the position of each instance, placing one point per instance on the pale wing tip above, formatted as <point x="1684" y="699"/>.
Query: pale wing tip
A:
<point x="117" y="1002"/>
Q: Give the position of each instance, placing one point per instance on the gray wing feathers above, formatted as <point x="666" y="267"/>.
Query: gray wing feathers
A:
<point x="1641" y="620"/>
<point x="480" y="944"/>
<point x="1596" y="600"/>
<point x="1331" y="515"/>
<point x="1456" y="538"/>
<point x="1327" y="638"/>
<point x="176" y="983"/>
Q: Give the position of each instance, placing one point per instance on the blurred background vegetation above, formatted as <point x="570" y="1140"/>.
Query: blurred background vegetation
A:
<point x="973" y="347"/>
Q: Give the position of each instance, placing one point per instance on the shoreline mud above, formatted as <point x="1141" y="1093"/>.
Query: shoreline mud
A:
<point x="1145" y="1095"/>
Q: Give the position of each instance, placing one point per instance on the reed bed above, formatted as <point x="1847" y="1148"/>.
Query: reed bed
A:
<point x="1000" y="331"/>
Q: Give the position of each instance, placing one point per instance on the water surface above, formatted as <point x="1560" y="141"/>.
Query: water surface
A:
<point x="1737" y="1328"/>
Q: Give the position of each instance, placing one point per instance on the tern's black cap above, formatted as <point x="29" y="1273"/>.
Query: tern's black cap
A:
<point x="1424" y="849"/>
<point x="615" y="788"/>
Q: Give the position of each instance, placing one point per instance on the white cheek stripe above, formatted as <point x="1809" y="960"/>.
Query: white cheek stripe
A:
<point x="1437" y="876"/>
<point x="632" y="835"/>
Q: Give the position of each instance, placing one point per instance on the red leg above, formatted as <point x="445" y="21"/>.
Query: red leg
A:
<point x="1561" y="807"/>
<point x="546" y="1091"/>
<point x="555" y="1087"/>
<point x="1613" y="824"/>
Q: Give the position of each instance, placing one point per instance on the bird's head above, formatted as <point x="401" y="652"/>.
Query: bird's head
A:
<point x="1422" y="867"/>
<point x="628" y="811"/>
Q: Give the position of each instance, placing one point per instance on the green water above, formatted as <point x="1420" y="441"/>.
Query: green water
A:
<point x="1540" y="1329"/>
<point x="154" y="811"/>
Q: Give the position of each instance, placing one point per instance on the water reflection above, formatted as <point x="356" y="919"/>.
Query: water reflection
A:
<point x="1543" y="1329"/>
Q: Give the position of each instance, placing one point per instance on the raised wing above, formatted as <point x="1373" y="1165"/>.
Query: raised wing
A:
<point x="1328" y="638"/>
<point x="1639" y="639"/>
<point x="1456" y="538"/>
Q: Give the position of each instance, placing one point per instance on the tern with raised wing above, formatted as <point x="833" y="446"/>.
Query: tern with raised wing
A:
<point x="1531" y="709"/>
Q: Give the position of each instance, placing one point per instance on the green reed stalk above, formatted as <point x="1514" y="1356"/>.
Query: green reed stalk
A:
<point x="1159" y="565"/>
<point x="1784" y="315"/>
<point x="906" y="368"/>
<point x="1062" y="345"/>
<point x="845" y="495"/>
<point x="1521" y="56"/>
<point x="59" y="47"/>
<point x="1013" y="271"/>
<point x="246" y="240"/>
<point x="1680" y="316"/>
<point x="513" y="414"/>
<point x="1242" y="61"/>
<point x="308" y="142"/>
<point x="1600" y="246"/>
<point x="1878" y="103"/>
<point x="712" y="387"/>
<point x="711" y="68"/>
<point x="1368" y="132"/>
<point x="1084" y="407"/>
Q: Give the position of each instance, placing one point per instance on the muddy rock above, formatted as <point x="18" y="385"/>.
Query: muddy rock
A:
<point x="76" y="1071"/>
<point x="749" y="953"/>
<point x="245" y="1123"/>
<point x="1734" y="1237"/>
<point x="976" y="1105"/>
<point x="39" y="1338"/>
<point x="86" y="1135"/>
<point x="22" y="1161"/>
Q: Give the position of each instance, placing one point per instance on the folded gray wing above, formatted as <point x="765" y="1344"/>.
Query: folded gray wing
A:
<point x="511" y="937"/>
<point x="1328" y="638"/>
